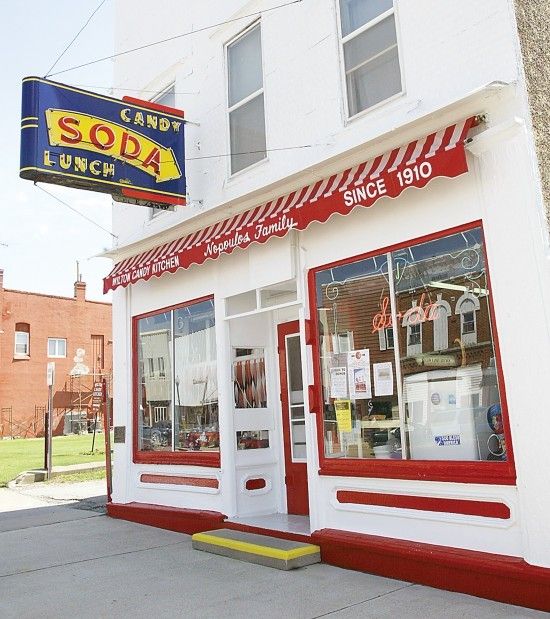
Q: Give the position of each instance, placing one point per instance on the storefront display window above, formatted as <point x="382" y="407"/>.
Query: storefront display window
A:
<point x="433" y="394"/>
<point x="177" y="391"/>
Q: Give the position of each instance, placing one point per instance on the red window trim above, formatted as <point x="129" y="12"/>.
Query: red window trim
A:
<point x="480" y="472"/>
<point x="212" y="460"/>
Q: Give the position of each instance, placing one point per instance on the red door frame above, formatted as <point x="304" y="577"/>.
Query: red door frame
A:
<point x="295" y="472"/>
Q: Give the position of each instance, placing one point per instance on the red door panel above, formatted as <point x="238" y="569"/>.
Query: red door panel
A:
<point x="293" y="412"/>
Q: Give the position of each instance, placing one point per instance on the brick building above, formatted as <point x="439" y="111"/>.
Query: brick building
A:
<point x="36" y="329"/>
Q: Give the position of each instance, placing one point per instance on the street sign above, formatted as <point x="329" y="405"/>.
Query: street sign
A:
<point x="97" y="396"/>
<point x="50" y="374"/>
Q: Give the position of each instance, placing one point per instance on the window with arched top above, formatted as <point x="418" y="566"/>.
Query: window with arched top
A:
<point x="413" y="319"/>
<point x="439" y="315"/>
<point x="22" y="339"/>
<point x="466" y="306"/>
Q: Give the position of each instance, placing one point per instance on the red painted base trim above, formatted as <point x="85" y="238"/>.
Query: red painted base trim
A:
<point x="178" y="480"/>
<point x="495" y="577"/>
<point x="181" y="520"/>
<point x="486" y="509"/>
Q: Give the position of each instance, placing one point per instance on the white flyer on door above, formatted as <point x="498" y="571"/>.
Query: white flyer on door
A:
<point x="359" y="374"/>
<point x="338" y="383"/>
<point x="383" y="378"/>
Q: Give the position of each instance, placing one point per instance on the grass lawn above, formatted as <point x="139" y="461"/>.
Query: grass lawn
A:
<point x="28" y="453"/>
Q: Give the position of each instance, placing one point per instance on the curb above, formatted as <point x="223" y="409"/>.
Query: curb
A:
<point x="39" y="475"/>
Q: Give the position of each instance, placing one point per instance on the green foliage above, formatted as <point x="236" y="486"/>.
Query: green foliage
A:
<point x="24" y="454"/>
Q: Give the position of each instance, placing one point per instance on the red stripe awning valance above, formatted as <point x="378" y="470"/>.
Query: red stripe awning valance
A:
<point x="388" y="175"/>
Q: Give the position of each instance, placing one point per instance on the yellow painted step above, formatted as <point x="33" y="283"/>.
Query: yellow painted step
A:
<point x="282" y="554"/>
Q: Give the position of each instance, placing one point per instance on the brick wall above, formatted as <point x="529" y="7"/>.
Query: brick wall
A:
<point x="23" y="378"/>
<point x="533" y="20"/>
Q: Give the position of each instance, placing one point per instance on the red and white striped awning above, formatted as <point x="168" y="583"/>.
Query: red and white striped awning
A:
<point x="388" y="175"/>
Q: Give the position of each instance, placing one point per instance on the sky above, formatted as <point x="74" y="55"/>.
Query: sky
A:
<point x="41" y="240"/>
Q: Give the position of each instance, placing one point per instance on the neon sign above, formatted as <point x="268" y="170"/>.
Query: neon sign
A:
<point x="415" y="315"/>
<point x="132" y="149"/>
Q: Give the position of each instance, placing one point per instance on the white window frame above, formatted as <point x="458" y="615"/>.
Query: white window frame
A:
<point x="57" y="340"/>
<point x="384" y="340"/>
<point x="472" y="305"/>
<point x="439" y="315"/>
<point x="155" y="212"/>
<point x="413" y="316"/>
<point x="343" y="72"/>
<point x="26" y="344"/>
<point x="247" y="99"/>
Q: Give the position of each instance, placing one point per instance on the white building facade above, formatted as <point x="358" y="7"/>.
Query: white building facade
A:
<point x="287" y="359"/>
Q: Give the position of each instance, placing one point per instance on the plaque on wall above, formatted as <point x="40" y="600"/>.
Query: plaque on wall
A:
<point x="119" y="434"/>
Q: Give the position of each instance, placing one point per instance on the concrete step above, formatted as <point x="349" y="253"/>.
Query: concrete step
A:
<point x="282" y="554"/>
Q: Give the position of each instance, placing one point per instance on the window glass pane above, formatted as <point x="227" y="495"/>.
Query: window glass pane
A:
<point x="168" y="97"/>
<point x="247" y="134"/>
<point x="57" y="347"/>
<point x="196" y="382"/>
<point x="21" y="343"/>
<point x="441" y="326"/>
<point x="361" y="414"/>
<point x="356" y="13"/>
<point x="154" y="341"/>
<point x="252" y="439"/>
<point x="244" y="58"/>
<point x="369" y="44"/>
<point x="249" y="382"/>
<point x="450" y="390"/>
<point x="375" y="81"/>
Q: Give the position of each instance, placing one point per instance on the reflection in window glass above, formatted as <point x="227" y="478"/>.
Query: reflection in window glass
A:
<point x="154" y="391"/>
<point x="249" y="383"/>
<point x="447" y="406"/>
<point x="253" y="439"/>
<point x="177" y="387"/>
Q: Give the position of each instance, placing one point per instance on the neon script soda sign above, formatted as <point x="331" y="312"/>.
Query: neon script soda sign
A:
<point x="132" y="149"/>
<point x="414" y="315"/>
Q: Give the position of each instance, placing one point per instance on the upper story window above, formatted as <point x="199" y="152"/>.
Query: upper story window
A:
<point x="22" y="339"/>
<point x="371" y="57"/>
<point x="245" y="99"/>
<point x="57" y="347"/>
<point x="165" y="97"/>
<point x="466" y="306"/>
<point x="177" y="389"/>
<point x="434" y="395"/>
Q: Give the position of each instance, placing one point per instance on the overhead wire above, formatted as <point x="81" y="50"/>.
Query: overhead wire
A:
<point x="76" y="211"/>
<point x="75" y="38"/>
<point x="173" y="38"/>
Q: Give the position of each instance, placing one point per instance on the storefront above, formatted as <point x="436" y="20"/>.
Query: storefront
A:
<point x="315" y="368"/>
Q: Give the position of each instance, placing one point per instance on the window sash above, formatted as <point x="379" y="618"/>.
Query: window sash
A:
<point x="57" y="347"/>
<point x="381" y="61"/>
<point x="247" y="134"/>
<point x="21" y="343"/>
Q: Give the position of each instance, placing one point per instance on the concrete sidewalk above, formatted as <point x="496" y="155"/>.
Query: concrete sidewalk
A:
<point x="64" y="558"/>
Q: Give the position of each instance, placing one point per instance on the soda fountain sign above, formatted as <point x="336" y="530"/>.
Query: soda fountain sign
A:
<point x="129" y="148"/>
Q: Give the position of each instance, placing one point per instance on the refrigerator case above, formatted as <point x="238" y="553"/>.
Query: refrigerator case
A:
<point x="446" y="419"/>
